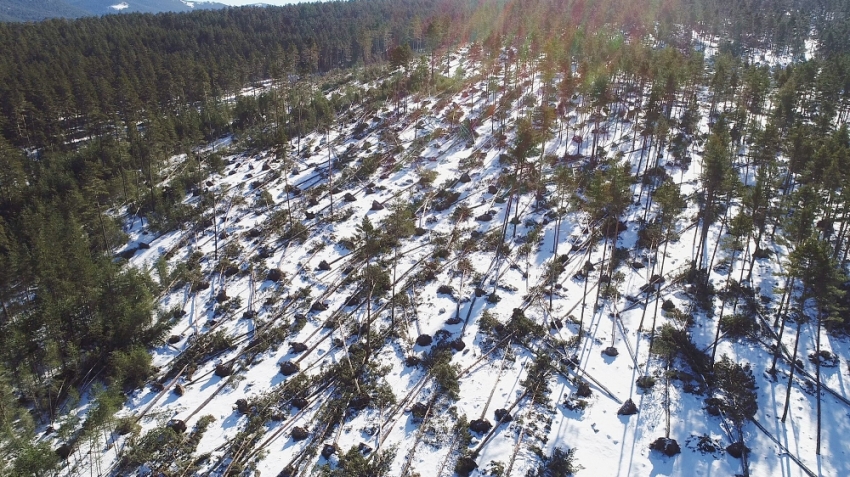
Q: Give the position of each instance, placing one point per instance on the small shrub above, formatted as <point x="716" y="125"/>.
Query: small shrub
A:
<point x="445" y="374"/>
<point x="130" y="368"/>
<point x="561" y="463"/>
<point x="127" y="425"/>
<point x="738" y="326"/>
<point x="646" y="382"/>
<point x="488" y="322"/>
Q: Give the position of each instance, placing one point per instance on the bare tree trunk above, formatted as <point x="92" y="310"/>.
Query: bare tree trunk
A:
<point x="784" y="315"/>
<point x="791" y="376"/>
<point x="330" y="171"/>
<point x="817" y="376"/>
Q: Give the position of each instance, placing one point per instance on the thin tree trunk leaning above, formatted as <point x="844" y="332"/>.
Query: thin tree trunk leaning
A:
<point x="817" y="376"/>
<point x="784" y="315"/>
<point x="791" y="375"/>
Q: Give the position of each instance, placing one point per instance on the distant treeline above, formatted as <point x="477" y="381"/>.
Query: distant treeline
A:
<point x="88" y="72"/>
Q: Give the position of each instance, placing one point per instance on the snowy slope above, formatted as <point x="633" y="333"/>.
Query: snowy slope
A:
<point x="420" y="425"/>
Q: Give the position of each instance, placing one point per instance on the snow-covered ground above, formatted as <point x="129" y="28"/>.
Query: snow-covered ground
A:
<point x="607" y="444"/>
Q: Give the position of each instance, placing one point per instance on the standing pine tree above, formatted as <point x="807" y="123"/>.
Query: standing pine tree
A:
<point x="821" y="277"/>
<point x="737" y="388"/>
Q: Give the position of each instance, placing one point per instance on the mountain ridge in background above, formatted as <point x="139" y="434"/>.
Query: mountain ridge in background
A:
<point x="36" y="10"/>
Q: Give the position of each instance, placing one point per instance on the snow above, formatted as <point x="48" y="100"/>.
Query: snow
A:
<point x="120" y="6"/>
<point x="607" y="444"/>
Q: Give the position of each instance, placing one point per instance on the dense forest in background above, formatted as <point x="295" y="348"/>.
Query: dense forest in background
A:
<point x="92" y="109"/>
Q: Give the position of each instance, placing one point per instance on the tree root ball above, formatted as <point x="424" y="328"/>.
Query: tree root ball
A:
<point x="274" y="275"/>
<point x="223" y="370"/>
<point x="610" y="351"/>
<point x="480" y="425"/>
<point x="502" y="415"/>
<point x="328" y="450"/>
<point x="628" y="408"/>
<point x="465" y="466"/>
<point x="737" y="449"/>
<point x="288" y="368"/>
<point x="299" y="434"/>
<point x="419" y="410"/>
<point x="668" y="447"/>
<point x="63" y="451"/>
<point x="424" y="340"/>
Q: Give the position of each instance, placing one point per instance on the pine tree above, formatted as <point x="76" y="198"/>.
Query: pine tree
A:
<point x="821" y="277"/>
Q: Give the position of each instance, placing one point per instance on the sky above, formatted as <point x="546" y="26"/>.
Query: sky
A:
<point x="254" y="2"/>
